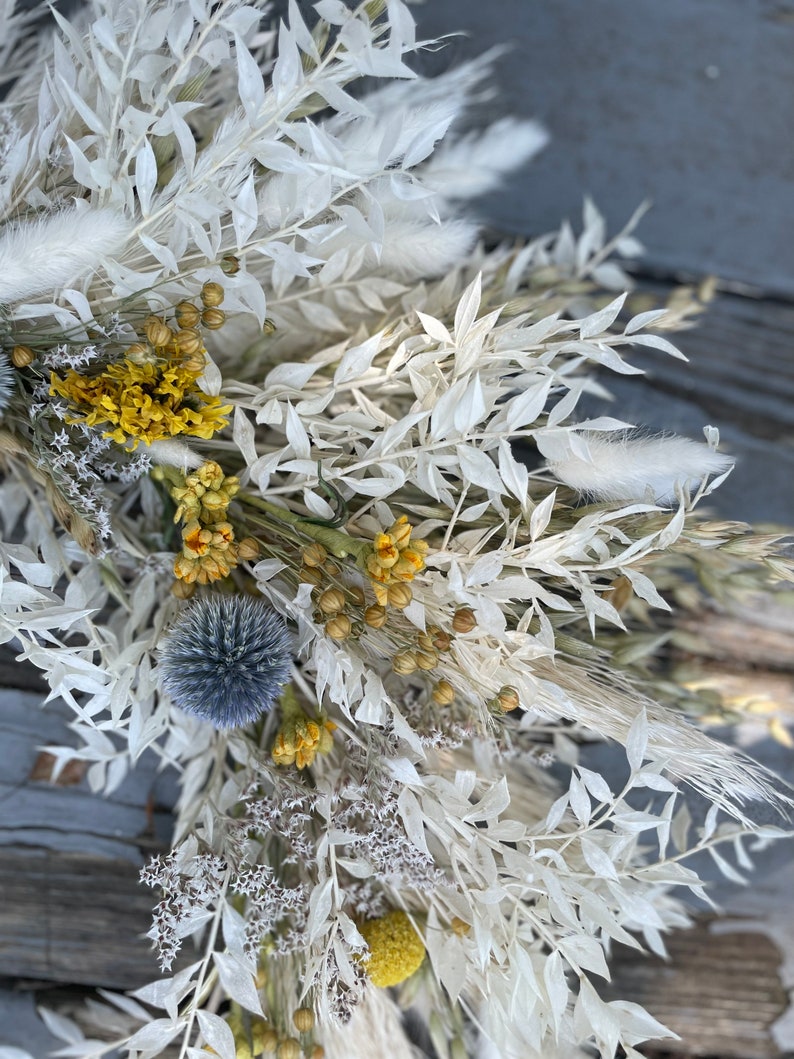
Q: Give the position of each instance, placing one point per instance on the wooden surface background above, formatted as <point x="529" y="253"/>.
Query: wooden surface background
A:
<point x="689" y="103"/>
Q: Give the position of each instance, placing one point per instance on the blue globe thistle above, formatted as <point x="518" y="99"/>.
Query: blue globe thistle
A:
<point x="226" y="659"/>
<point x="8" y="381"/>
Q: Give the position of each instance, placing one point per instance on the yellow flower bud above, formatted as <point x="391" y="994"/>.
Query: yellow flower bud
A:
<point x="331" y="601"/>
<point x="443" y="693"/>
<point x="187" y="314"/>
<point x="213" y="319"/>
<point x="212" y="294"/>
<point x="338" y="627"/>
<point x="375" y="616"/>
<point x="404" y="663"/>
<point x="464" y="620"/>
<point x="21" y="356"/>
<point x="303" y="1020"/>
<point x="157" y="332"/>
<point x="314" y="555"/>
<point x="399" y="596"/>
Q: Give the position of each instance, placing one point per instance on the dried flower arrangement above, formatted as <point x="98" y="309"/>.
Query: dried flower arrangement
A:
<point x="359" y="626"/>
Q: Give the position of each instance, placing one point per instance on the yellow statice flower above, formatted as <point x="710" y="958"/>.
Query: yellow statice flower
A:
<point x="394" y="558"/>
<point x="147" y="401"/>
<point x="206" y="494"/>
<point x="395" y="949"/>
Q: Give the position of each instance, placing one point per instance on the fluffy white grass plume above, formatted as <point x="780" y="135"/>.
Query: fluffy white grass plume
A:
<point x="374" y="1029"/>
<point x="627" y="466"/>
<point x="477" y="162"/>
<point x="38" y="257"/>
<point x="173" y="453"/>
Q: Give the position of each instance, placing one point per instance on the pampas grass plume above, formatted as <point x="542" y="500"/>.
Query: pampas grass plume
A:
<point x="626" y="467"/>
<point x="41" y="256"/>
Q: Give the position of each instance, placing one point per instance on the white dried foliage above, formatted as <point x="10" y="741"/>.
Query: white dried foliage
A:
<point x="379" y="362"/>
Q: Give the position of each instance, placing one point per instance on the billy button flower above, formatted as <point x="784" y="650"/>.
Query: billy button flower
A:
<point x="395" y="949"/>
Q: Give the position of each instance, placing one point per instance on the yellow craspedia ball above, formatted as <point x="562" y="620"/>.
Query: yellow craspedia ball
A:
<point x="395" y="949"/>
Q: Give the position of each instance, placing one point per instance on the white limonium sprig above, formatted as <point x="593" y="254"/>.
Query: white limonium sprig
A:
<point x="309" y="511"/>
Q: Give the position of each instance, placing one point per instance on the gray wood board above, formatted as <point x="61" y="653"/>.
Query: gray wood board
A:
<point x="688" y="103"/>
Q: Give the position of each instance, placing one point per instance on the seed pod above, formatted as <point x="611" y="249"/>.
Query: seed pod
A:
<point x="356" y="595"/>
<point x="188" y="341"/>
<point x="443" y="693"/>
<point x="338" y="627"/>
<point x="404" y="663"/>
<point x="269" y="326"/>
<point x="425" y="641"/>
<point x="139" y="353"/>
<point x="212" y="295"/>
<point x="375" y="616"/>
<point x="157" y="332"/>
<point x="331" y="568"/>
<point x="187" y="314"/>
<point x="182" y="590"/>
<point x="464" y="620"/>
<point x="213" y="319"/>
<point x="288" y="1048"/>
<point x="459" y="926"/>
<point x="314" y="555"/>
<point x="426" y="659"/>
<point x="332" y="601"/>
<point x="230" y="264"/>
<point x="310" y="575"/>
<point x="399" y="596"/>
<point x="268" y="1041"/>
<point x="248" y="549"/>
<point x="317" y="1052"/>
<point x="508" y="699"/>
<point x="21" y="356"/>
<point x="303" y="1020"/>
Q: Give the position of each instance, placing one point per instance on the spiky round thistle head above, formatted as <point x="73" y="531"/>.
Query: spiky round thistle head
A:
<point x="7" y="381"/>
<point x="226" y="659"/>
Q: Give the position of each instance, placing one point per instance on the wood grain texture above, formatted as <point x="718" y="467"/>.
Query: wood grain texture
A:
<point x="74" y="918"/>
<point x="720" y="993"/>
<point x="687" y="104"/>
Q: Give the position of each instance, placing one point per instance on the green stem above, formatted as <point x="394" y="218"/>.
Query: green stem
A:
<point x="337" y="542"/>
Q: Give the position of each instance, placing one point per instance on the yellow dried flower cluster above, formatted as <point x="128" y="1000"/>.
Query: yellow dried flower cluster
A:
<point x="300" y="738"/>
<point x="146" y="401"/>
<point x="153" y="393"/>
<point x="395" y="949"/>
<point x="394" y="559"/>
<point x="209" y="550"/>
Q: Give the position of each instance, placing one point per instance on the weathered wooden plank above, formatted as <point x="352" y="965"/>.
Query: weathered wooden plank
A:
<point x="721" y="993"/>
<point x="74" y="918"/>
<point x="647" y="101"/>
